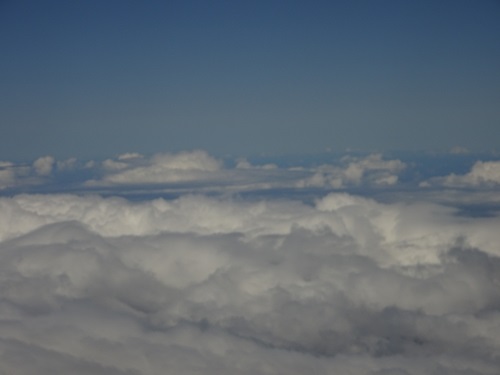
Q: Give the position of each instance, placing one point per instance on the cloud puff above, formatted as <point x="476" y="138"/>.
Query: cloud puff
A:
<point x="222" y="286"/>
<point x="483" y="174"/>
<point x="14" y="175"/>
<point x="161" y="168"/>
<point x="43" y="166"/>
<point x="371" y="170"/>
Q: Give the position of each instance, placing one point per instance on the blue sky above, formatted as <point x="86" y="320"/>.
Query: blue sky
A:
<point x="97" y="78"/>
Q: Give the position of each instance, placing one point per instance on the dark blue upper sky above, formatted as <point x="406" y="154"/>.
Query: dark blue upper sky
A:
<point x="95" y="78"/>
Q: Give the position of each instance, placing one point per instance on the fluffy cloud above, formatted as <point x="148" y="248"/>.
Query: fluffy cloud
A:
<point x="371" y="170"/>
<point x="14" y="175"/>
<point x="43" y="166"/>
<point x="162" y="168"/>
<point x="482" y="174"/>
<point x="222" y="286"/>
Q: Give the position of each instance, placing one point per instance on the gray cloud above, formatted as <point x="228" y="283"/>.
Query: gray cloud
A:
<point x="219" y="285"/>
<point x="14" y="175"/>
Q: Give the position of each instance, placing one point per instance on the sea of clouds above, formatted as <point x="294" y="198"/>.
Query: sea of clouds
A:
<point x="212" y="281"/>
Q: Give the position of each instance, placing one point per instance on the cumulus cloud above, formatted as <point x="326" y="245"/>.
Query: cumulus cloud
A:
<point x="482" y="174"/>
<point x="161" y="168"/>
<point x="222" y="285"/>
<point x="13" y="175"/>
<point x="372" y="170"/>
<point x="43" y="166"/>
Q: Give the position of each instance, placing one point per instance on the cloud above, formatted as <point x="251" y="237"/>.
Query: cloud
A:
<point x="12" y="175"/>
<point x="195" y="172"/>
<point x="221" y="285"/>
<point x="198" y="167"/>
<point x="129" y="156"/>
<point x="482" y="174"/>
<point x="161" y="168"/>
<point x="67" y="165"/>
<point x="371" y="170"/>
<point x="43" y="166"/>
<point x="7" y="175"/>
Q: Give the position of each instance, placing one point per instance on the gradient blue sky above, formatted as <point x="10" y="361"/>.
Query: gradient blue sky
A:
<point x="96" y="78"/>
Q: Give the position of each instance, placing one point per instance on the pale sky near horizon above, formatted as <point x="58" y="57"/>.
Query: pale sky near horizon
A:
<point x="96" y="78"/>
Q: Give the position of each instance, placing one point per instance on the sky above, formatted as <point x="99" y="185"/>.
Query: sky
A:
<point x="97" y="78"/>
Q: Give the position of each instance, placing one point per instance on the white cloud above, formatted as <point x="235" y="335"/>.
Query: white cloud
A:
<point x="161" y="168"/>
<point x="130" y="155"/>
<point x="43" y="166"/>
<point x="210" y="173"/>
<point x="371" y="170"/>
<point x="223" y="286"/>
<point x="482" y="174"/>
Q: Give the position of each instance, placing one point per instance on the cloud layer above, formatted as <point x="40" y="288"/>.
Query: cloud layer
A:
<point x="197" y="170"/>
<point x="219" y="285"/>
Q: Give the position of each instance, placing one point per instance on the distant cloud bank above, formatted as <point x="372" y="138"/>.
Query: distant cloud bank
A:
<point x="198" y="169"/>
